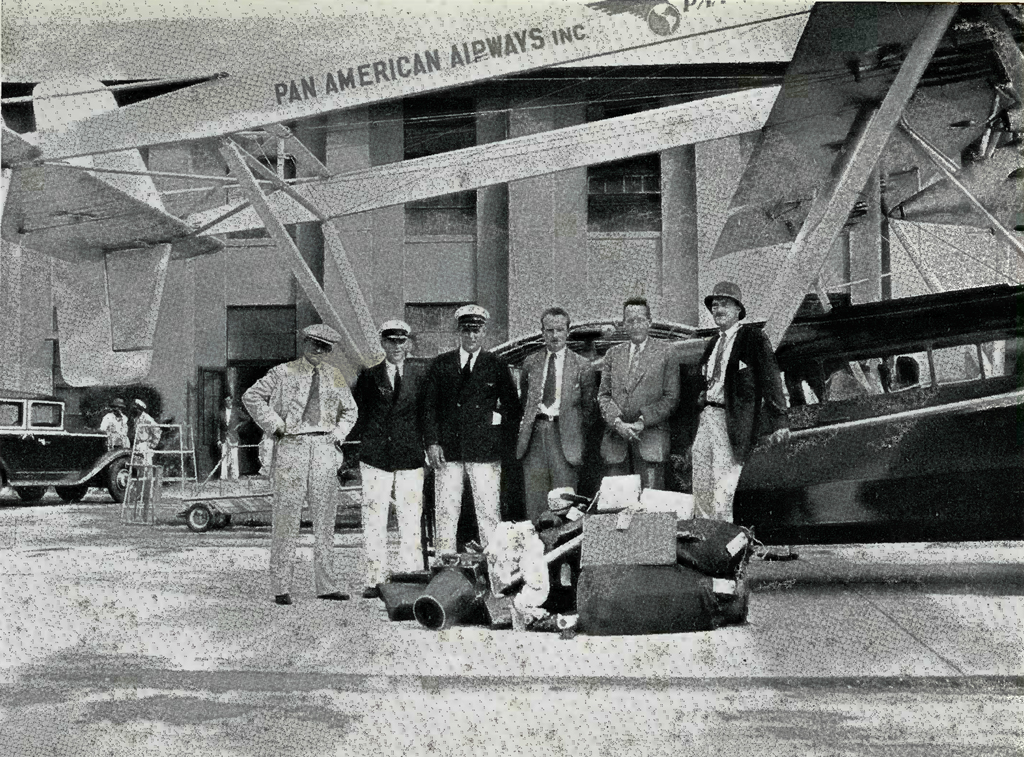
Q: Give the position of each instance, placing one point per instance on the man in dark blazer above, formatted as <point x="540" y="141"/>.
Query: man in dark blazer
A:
<point x="744" y="400"/>
<point x="639" y="390"/>
<point x="470" y="413"/>
<point x="391" y="455"/>
<point x="558" y="397"/>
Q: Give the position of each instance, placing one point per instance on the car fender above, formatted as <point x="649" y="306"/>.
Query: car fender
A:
<point x="100" y="464"/>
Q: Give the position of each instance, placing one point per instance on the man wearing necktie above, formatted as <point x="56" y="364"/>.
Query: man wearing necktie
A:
<point x="558" y="397"/>
<point x="639" y="390"/>
<point x="470" y="413"/>
<point x="390" y="437"/>
<point x="743" y="400"/>
<point x="307" y="408"/>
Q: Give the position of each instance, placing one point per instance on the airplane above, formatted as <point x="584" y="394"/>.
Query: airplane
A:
<point x="77" y="188"/>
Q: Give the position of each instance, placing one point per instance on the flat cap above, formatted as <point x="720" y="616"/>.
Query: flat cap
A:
<point x="117" y="403"/>
<point x="394" y="328"/>
<point x="321" y="332"/>
<point x="468" y="314"/>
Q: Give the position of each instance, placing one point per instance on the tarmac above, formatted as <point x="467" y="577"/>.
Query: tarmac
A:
<point x="158" y="608"/>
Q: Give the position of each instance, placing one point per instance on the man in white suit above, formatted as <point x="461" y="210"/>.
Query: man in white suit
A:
<point x="307" y="407"/>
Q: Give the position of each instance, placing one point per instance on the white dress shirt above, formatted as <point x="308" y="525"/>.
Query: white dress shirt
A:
<point x="716" y="392"/>
<point x="463" y="356"/>
<point x="392" y="370"/>
<point x="554" y="408"/>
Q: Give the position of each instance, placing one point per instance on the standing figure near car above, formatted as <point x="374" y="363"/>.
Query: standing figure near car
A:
<point x="744" y="398"/>
<point x="639" y="390"/>
<point x="470" y="413"/>
<point x="558" y="399"/>
<point x="390" y="455"/>
<point x="230" y="421"/>
<point x="115" y="426"/>
<point x="306" y="406"/>
<point x="147" y="433"/>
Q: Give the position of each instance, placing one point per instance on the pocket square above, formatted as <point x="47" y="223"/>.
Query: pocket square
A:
<point x="743" y="365"/>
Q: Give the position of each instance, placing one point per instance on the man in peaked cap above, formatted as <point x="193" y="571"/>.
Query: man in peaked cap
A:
<point x="471" y="412"/>
<point x="306" y="406"/>
<point x="390" y="433"/>
<point x="744" y="398"/>
<point x="115" y="425"/>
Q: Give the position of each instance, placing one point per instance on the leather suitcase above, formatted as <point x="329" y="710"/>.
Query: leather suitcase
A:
<point x="629" y="538"/>
<point x="624" y="600"/>
<point x="715" y="548"/>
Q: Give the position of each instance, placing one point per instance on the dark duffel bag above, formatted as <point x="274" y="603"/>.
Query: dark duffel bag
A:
<point x="714" y="547"/>
<point x="402" y="591"/>
<point x="624" y="600"/>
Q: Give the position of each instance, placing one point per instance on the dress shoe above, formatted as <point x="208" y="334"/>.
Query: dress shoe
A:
<point x="337" y="595"/>
<point x="283" y="599"/>
<point x="371" y="592"/>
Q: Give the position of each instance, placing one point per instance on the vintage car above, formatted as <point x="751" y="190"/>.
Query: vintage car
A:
<point x="907" y="419"/>
<point x="36" y="452"/>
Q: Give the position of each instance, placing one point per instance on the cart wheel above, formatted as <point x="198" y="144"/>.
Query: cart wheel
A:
<point x="199" y="518"/>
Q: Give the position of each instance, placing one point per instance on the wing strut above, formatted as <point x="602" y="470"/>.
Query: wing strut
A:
<point x="290" y="254"/>
<point x="832" y="207"/>
<point x="332" y="240"/>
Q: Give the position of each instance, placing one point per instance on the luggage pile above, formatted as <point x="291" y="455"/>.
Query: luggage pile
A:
<point x="624" y="563"/>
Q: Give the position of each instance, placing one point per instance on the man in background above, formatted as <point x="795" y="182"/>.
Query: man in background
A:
<point x="147" y="433"/>
<point x="230" y="421"/>
<point x="115" y="426"/>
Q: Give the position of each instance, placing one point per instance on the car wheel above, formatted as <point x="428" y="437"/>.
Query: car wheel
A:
<point x="30" y="493"/>
<point x="199" y="519"/>
<point x="117" y="478"/>
<point x="70" y="494"/>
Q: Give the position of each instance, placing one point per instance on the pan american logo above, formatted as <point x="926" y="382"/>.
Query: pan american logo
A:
<point x="662" y="18"/>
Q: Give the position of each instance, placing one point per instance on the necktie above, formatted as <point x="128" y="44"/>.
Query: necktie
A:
<point x="398" y="380"/>
<point x="549" y="383"/>
<point x="716" y="371"/>
<point x="634" y="359"/>
<point x="311" y="415"/>
<point x="466" y="371"/>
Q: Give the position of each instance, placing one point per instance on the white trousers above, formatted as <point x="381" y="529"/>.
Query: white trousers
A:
<point x="228" y="461"/>
<point x="716" y="472"/>
<point x="485" y="481"/>
<point x="305" y="474"/>
<point x="408" y="493"/>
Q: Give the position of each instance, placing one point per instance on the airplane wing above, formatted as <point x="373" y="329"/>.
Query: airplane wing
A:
<point x="831" y="82"/>
<point x="65" y="212"/>
<point x="15" y="148"/>
<point x="443" y="51"/>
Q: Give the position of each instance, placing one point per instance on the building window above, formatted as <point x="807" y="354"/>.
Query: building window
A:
<point x="261" y="333"/>
<point x="624" y="195"/>
<point x="435" y="125"/>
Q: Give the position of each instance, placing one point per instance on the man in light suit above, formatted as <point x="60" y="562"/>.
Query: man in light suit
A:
<point x="639" y="390"/>
<point x="744" y="400"/>
<point x="229" y="422"/>
<point x="306" y="406"/>
<point x="470" y="411"/>
<point x="390" y="435"/>
<point x="558" y="396"/>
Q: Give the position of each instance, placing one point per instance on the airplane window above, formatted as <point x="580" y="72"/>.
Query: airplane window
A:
<point x="1002" y="357"/>
<point x="908" y="372"/>
<point x="956" y="364"/>
<point x="10" y="414"/>
<point x="45" y="415"/>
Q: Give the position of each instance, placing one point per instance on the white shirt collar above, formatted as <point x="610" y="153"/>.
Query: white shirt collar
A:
<point x="731" y="331"/>
<point x="471" y="355"/>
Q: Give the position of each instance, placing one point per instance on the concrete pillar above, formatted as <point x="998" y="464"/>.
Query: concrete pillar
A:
<point x="547" y="228"/>
<point x="492" y="244"/>
<point x="387" y="145"/>
<point x="309" y="237"/>
<point x="679" y="236"/>
<point x="866" y="247"/>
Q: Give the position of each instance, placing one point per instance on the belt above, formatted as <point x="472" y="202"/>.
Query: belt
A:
<point x="709" y="403"/>
<point x="544" y="417"/>
<point x="307" y="433"/>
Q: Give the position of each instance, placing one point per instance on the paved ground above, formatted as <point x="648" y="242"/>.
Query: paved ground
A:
<point x="129" y="640"/>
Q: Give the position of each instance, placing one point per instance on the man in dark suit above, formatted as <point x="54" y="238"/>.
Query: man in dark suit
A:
<point x="558" y="396"/>
<point x="743" y="400"/>
<point x="470" y="411"/>
<point x="639" y="390"/>
<point x="390" y="455"/>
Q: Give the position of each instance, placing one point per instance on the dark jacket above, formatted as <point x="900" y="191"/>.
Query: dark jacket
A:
<point x="755" y="404"/>
<point x="461" y="417"/>
<point x="389" y="428"/>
